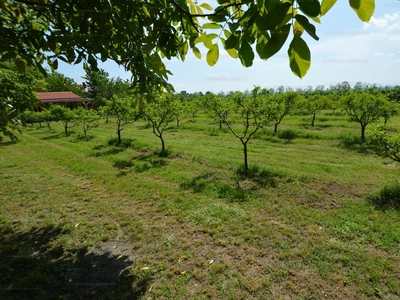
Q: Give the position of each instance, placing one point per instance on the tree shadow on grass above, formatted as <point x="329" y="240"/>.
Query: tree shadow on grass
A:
<point x="8" y="143"/>
<point x="387" y="197"/>
<point x="103" y="150"/>
<point x="140" y="163"/>
<point x="260" y="176"/>
<point x="53" y="136"/>
<point x="205" y="182"/>
<point x="31" y="267"/>
<point x="114" y="150"/>
<point x="197" y="184"/>
<point x="82" y="137"/>
<point x="354" y="143"/>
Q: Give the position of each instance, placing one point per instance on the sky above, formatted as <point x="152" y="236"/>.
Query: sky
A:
<point x="348" y="50"/>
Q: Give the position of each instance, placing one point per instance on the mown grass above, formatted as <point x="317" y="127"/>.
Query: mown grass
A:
<point x="314" y="217"/>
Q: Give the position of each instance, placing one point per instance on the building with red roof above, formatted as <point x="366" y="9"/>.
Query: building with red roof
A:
<point x="68" y="99"/>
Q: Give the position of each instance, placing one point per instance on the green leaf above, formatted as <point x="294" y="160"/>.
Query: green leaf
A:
<point x="232" y="41"/>
<point x="208" y="44"/>
<point x="212" y="55"/>
<point x="78" y="59"/>
<point x="212" y="26"/>
<point x="246" y="54"/>
<point x="206" y="6"/>
<point x="363" y="8"/>
<point x="311" y="8"/>
<point x="297" y="28"/>
<point x="205" y="37"/>
<point x="8" y="55"/>
<point x="199" y="10"/>
<point x="299" y="56"/>
<point x="316" y="19"/>
<point x="217" y="18"/>
<point x="21" y="66"/>
<point x="227" y="33"/>
<point x="196" y="52"/>
<point x="92" y="61"/>
<point x="275" y="43"/>
<point x="192" y="9"/>
<point x="146" y="11"/>
<point x="51" y="41"/>
<point x="307" y="26"/>
<point x="156" y="61"/>
<point x="326" y="5"/>
<point x="289" y="16"/>
<point x="55" y="64"/>
<point x="104" y="54"/>
<point x="185" y="48"/>
<point x="274" y="17"/>
<point x="232" y="53"/>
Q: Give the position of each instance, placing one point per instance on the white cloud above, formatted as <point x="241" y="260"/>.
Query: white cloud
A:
<point x="394" y="38"/>
<point x="389" y="22"/>
<point x="384" y="54"/>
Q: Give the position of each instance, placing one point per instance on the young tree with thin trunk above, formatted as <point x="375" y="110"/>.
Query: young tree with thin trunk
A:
<point x="191" y="107"/>
<point x="215" y="107"/>
<point x="88" y="118"/>
<point x="123" y="110"/>
<point x="41" y="116"/>
<point x="160" y="114"/>
<point x="45" y="116"/>
<point x="313" y="104"/>
<point x="254" y="112"/>
<point x="65" y="115"/>
<point x="364" y="108"/>
<point x="391" y="109"/>
<point x="282" y="105"/>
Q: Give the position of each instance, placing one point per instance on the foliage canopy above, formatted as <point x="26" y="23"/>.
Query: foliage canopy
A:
<point x="139" y="34"/>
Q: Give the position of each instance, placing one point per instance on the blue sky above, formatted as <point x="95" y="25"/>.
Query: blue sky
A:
<point x="348" y="50"/>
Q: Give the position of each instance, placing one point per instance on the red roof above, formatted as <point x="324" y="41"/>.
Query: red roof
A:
<point x="60" y="97"/>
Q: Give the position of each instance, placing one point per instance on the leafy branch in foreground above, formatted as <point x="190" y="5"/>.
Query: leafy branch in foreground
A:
<point x="139" y="34"/>
<point x="16" y="95"/>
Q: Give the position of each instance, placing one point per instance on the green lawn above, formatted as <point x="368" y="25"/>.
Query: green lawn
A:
<point x="85" y="219"/>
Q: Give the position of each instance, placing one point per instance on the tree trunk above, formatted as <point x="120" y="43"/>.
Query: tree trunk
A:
<point x="276" y="128"/>
<point x="246" y="166"/>
<point x="220" y="124"/>
<point x="313" y="120"/>
<point x="66" y="128"/>
<point x="162" y="143"/>
<point x="119" y="136"/>
<point x="363" y="132"/>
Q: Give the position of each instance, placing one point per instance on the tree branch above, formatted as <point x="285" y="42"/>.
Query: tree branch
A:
<point x="215" y="13"/>
<point x="34" y="3"/>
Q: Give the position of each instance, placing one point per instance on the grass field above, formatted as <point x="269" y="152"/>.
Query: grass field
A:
<point x="86" y="219"/>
